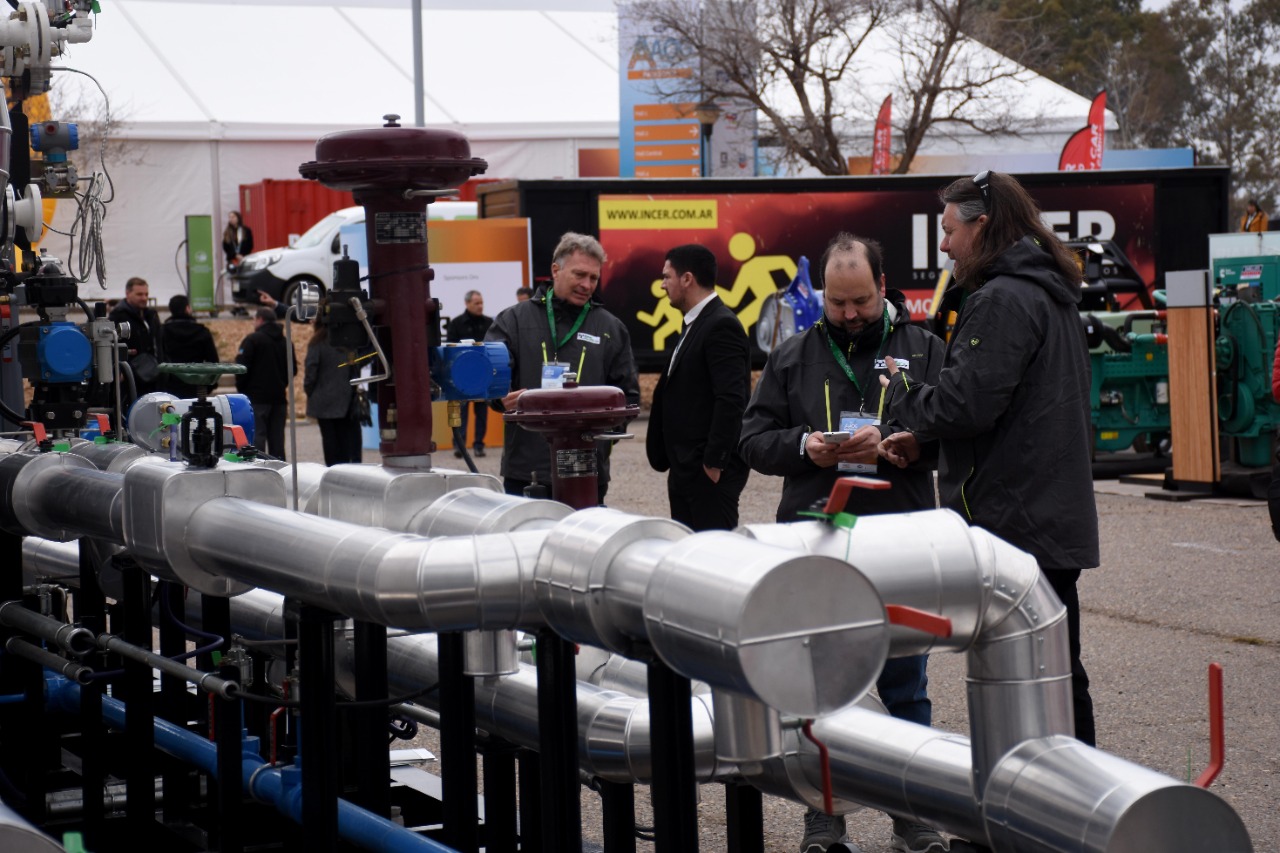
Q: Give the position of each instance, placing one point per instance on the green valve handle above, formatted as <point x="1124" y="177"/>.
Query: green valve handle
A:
<point x="201" y="373"/>
<point x="74" y="842"/>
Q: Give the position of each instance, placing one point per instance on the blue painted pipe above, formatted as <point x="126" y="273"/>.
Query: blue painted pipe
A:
<point x="280" y="787"/>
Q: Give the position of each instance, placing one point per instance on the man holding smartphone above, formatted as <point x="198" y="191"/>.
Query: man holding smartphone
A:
<point x="817" y="415"/>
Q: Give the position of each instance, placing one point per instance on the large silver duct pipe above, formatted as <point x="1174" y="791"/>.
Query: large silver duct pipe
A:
<point x="1003" y="612"/>
<point x="1049" y="794"/>
<point x="18" y="836"/>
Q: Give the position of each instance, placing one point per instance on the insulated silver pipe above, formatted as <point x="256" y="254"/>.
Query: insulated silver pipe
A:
<point x="1051" y="794"/>
<point x="87" y="501"/>
<point x="1003" y="612"/>
<point x="369" y="574"/>
<point x="18" y="836"/>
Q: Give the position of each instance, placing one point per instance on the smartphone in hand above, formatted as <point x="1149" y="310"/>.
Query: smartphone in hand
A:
<point x="835" y="437"/>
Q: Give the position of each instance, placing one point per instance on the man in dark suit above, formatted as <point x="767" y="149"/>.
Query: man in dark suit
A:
<point x="697" y="407"/>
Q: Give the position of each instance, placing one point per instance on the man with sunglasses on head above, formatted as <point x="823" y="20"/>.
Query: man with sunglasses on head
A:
<point x="1010" y="410"/>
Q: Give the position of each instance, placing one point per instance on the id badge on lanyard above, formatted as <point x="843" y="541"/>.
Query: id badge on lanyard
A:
<point x="553" y="374"/>
<point x="851" y="422"/>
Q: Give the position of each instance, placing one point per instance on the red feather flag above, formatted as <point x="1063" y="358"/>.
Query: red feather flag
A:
<point x="880" y="143"/>
<point x="1083" y="150"/>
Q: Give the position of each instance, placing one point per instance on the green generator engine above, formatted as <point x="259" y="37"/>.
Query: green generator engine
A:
<point x="1247" y="413"/>
<point x="1129" y="357"/>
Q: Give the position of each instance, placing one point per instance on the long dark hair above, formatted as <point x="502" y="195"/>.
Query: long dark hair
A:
<point x="1011" y="215"/>
<point x="231" y="234"/>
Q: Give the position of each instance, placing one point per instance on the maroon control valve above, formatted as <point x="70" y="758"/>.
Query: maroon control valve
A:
<point x="573" y="419"/>
<point x="394" y="172"/>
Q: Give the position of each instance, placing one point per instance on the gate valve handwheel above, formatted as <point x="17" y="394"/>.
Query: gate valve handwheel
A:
<point x="198" y="443"/>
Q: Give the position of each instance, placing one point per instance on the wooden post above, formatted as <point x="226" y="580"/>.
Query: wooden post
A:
<point x="1193" y="394"/>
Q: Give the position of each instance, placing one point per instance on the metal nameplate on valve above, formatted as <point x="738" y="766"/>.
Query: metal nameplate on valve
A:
<point x="392" y="228"/>
<point x="575" y="463"/>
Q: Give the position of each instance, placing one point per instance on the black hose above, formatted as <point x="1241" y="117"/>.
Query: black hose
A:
<point x="127" y="370"/>
<point x="460" y="445"/>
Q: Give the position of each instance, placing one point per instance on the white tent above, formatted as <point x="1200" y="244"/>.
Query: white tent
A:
<point x="211" y="95"/>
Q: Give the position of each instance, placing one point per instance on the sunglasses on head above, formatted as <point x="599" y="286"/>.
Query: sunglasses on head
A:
<point x="983" y="180"/>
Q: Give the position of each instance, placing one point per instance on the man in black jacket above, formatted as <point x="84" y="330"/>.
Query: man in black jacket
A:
<point x="266" y="380"/>
<point x="826" y="380"/>
<point x="472" y="325"/>
<point x="1011" y="407"/>
<point x="698" y="404"/>
<point x="562" y="330"/>
<point x="185" y="341"/>
<point x="145" y="353"/>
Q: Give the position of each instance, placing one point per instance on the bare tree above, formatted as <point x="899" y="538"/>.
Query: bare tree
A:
<point x="789" y="59"/>
<point x="949" y="80"/>
<point x="798" y="63"/>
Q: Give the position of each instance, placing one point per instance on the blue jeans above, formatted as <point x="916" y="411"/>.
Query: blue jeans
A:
<point x="903" y="686"/>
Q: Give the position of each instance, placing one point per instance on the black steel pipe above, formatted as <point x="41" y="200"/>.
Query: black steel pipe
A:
<point x="139" y="696"/>
<point x="77" y="640"/>
<point x="675" y="784"/>
<point x="558" y="744"/>
<point x="458" y="746"/>
<point x="321" y="781"/>
<point x="77" y="672"/>
<point x="369" y="724"/>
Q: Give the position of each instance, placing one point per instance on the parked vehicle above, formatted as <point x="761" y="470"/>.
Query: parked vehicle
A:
<point x="310" y="260"/>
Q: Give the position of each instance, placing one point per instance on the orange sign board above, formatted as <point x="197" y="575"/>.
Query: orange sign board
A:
<point x="667" y="132"/>
<point x="692" y="170"/>
<point x="667" y="152"/>
<point x="662" y="112"/>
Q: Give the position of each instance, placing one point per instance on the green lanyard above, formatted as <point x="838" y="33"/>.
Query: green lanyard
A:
<point x="573" y="330"/>
<point x="844" y="362"/>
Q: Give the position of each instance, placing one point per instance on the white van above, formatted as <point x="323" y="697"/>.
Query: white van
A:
<point x="310" y="259"/>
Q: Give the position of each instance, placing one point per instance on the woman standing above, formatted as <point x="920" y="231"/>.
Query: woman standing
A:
<point x="1255" y="218"/>
<point x="331" y="398"/>
<point x="237" y="240"/>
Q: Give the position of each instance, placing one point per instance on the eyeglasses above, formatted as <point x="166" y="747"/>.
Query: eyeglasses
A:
<point x="983" y="180"/>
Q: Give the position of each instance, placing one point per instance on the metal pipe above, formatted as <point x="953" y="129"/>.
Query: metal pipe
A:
<point x="79" y="641"/>
<point x="19" y="647"/>
<point x="205" y="681"/>
<point x="876" y="760"/>
<point x="279" y="787"/>
<point x="18" y="836"/>
<point x="1003" y="612"/>
<point x="88" y="501"/>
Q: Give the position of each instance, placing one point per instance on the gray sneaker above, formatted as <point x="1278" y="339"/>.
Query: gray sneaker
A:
<point x="916" y="838"/>
<point x="821" y="830"/>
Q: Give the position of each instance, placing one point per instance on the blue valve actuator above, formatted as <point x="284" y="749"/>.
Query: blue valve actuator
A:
<point x="471" y="371"/>
<point x="64" y="353"/>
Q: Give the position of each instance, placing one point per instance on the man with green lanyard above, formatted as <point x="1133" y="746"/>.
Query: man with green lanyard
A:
<point x="816" y="416"/>
<point x="561" y="331"/>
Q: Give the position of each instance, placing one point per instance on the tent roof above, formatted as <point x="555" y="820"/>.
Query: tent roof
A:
<point x="292" y="69"/>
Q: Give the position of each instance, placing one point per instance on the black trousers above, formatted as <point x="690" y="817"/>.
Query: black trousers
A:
<point x="482" y="421"/>
<point x="268" y="428"/>
<point x="700" y="504"/>
<point x="341" y="440"/>
<point x="1063" y="582"/>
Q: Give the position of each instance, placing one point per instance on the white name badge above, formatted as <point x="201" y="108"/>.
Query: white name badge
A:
<point x="591" y="339"/>
<point x="851" y="423"/>
<point x="903" y="364"/>
<point x="553" y="374"/>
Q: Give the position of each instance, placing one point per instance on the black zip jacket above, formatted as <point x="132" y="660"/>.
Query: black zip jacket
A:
<point x="1011" y="412"/>
<point x="790" y="401"/>
<point x="265" y="357"/>
<point x="185" y="341"/>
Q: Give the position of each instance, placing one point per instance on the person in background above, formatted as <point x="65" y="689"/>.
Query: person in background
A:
<point x="266" y="381"/>
<point x="331" y="398"/>
<point x="185" y="341"/>
<point x="144" y="341"/>
<point x="1010" y="409"/>
<point x="824" y="381"/>
<point x="563" y="330"/>
<point x="472" y="325"/>
<point x="237" y="240"/>
<point x="1254" y="218"/>
<point x="524" y="294"/>
<point x="696" y="416"/>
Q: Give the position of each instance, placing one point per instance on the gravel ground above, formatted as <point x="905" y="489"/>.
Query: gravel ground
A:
<point x="1181" y="585"/>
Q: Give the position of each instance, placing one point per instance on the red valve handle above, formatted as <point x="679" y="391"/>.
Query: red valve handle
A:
<point x="824" y="760"/>
<point x="237" y="435"/>
<point x="104" y="424"/>
<point x="840" y="491"/>
<point x="921" y="620"/>
<point x="37" y="430"/>
<point x="1217" y="745"/>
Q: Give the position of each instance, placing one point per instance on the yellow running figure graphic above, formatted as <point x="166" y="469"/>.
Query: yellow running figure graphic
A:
<point x="755" y="277"/>
<point x="666" y="319"/>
